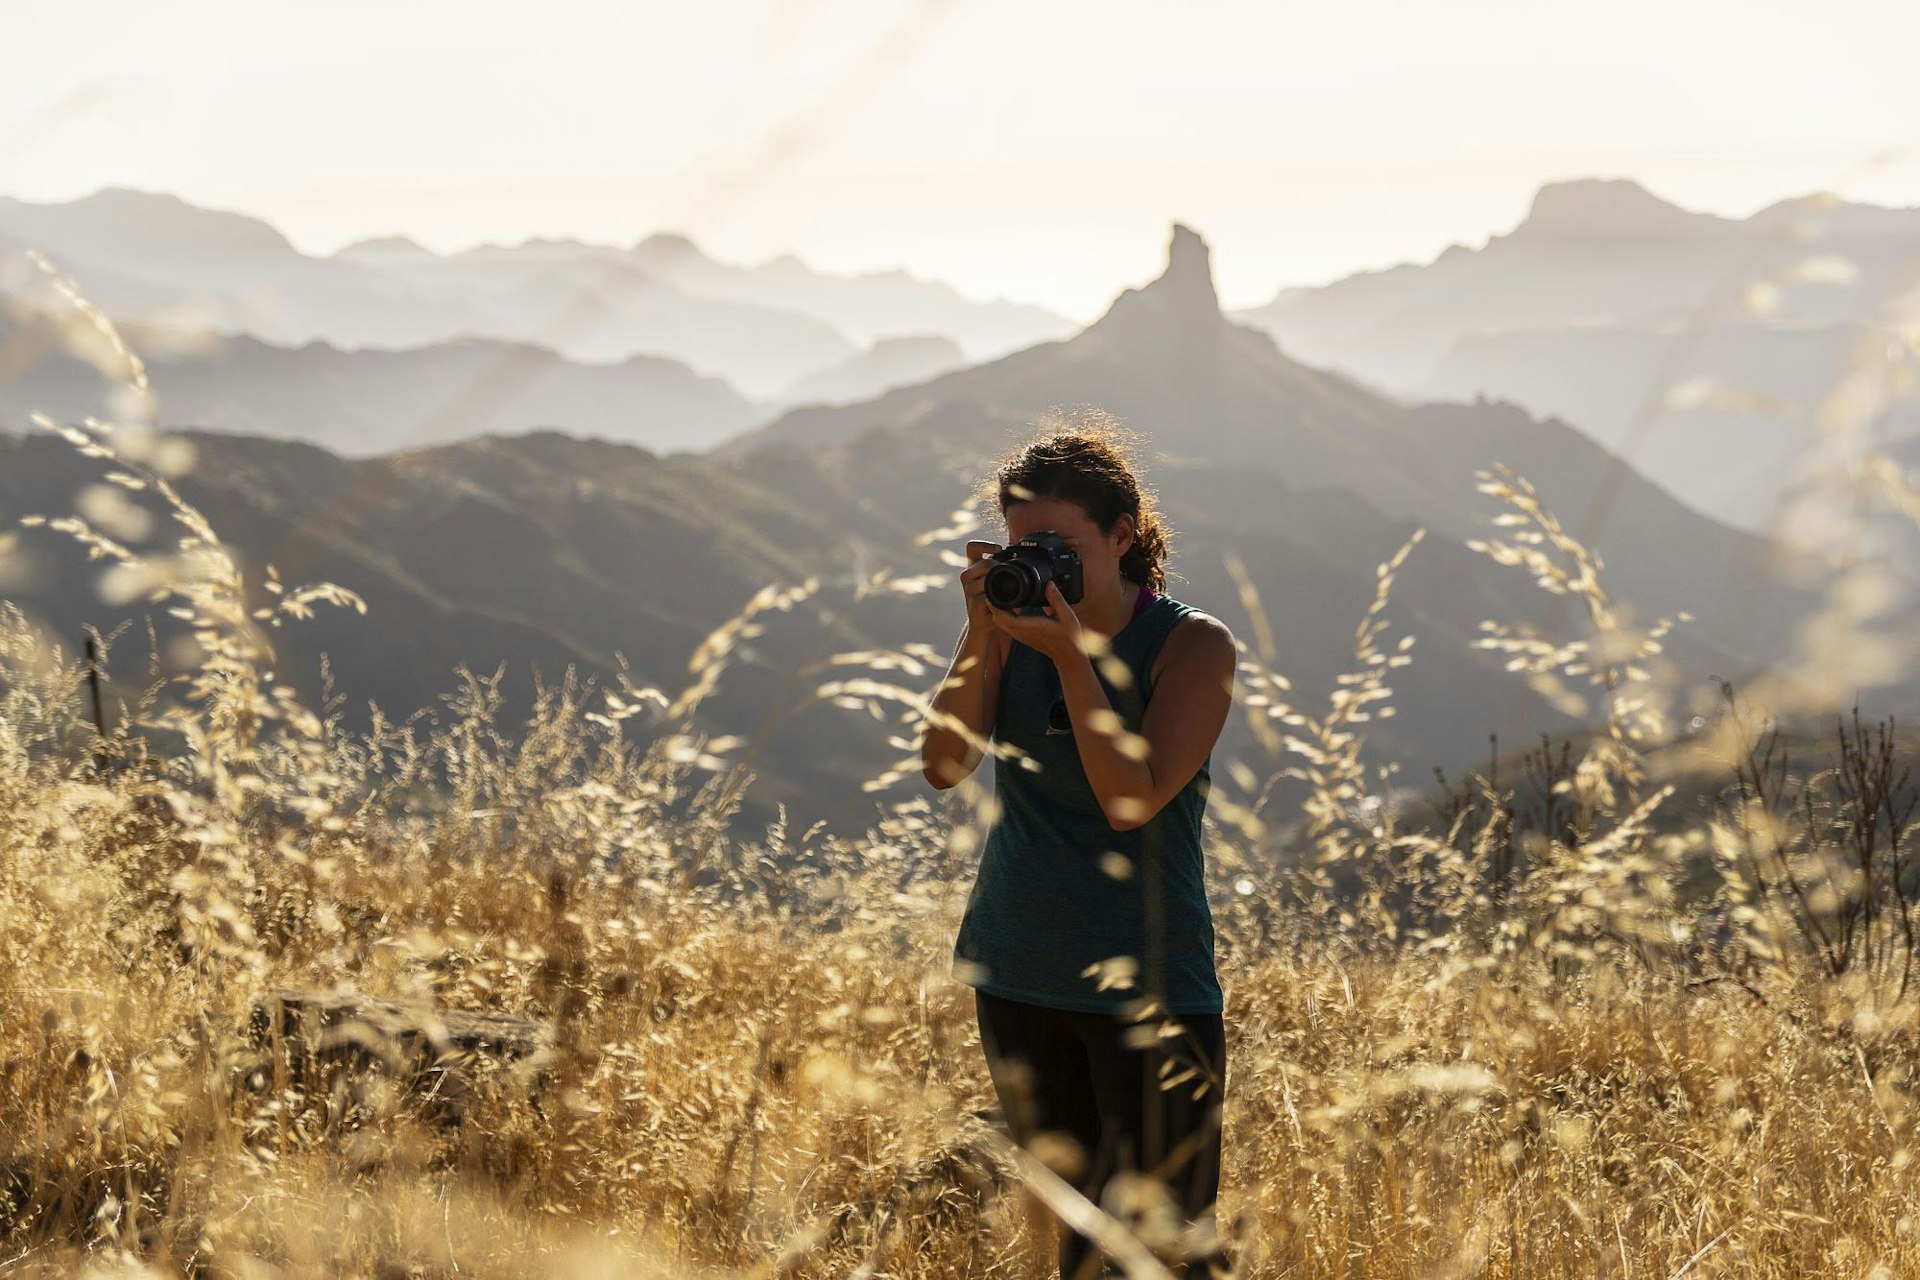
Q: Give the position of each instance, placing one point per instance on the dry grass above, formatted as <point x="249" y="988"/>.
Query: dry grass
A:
<point x="1615" y="1055"/>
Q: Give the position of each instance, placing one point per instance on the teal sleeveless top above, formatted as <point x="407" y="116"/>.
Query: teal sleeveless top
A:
<point x="1058" y="888"/>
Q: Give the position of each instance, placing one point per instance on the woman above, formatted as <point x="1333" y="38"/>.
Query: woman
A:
<point x="1088" y="921"/>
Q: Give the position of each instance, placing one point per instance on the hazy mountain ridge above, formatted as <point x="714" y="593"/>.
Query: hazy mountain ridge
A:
<point x="597" y="305"/>
<point x="371" y="401"/>
<point x="1754" y="392"/>
<point x="889" y="363"/>
<point x="1605" y="295"/>
<point x="868" y="306"/>
<point x="157" y="259"/>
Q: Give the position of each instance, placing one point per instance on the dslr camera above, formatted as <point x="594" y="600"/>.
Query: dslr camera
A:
<point x="1017" y="582"/>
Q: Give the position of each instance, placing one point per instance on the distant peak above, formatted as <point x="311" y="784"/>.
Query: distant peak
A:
<point x="1608" y="209"/>
<point x="669" y="245"/>
<point x="1189" y="274"/>
<point x="918" y="344"/>
<point x="127" y="216"/>
<point x="1183" y="292"/>
<point x="385" y="247"/>
<point x="134" y="198"/>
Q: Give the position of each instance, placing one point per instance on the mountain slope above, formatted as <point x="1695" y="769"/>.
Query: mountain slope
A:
<point x="534" y="552"/>
<point x="889" y="363"/>
<point x="1737" y="422"/>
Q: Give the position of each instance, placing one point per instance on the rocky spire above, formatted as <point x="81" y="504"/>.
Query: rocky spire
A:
<point x="1182" y="297"/>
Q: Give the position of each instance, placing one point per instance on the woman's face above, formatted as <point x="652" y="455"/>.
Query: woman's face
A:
<point x="1099" y="552"/>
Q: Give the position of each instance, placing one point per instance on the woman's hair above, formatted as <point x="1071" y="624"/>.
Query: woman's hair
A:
<point x="1086" y="457"/>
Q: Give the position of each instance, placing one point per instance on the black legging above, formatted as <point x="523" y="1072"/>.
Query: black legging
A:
<point x="1084" y="1080"/>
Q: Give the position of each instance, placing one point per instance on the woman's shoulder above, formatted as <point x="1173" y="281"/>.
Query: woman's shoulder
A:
<point x="1196" y="629"/>
<point x="1194" y="635"/>
<point x="1188" y="617"/>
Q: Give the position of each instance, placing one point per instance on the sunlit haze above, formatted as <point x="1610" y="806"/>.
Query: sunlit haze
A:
<point x="1033" y="151"/>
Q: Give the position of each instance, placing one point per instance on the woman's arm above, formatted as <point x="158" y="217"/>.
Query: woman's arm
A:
<point x="1134" y="775"/>
<point x="961" y="712"/>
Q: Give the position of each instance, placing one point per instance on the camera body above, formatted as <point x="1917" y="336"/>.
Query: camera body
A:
<point x="1017" y="582"/>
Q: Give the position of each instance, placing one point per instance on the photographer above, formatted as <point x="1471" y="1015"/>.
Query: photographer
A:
<point x="1087" y="927"/>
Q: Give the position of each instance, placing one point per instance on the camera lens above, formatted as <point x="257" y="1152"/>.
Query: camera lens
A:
<point x="1009" y="586"/>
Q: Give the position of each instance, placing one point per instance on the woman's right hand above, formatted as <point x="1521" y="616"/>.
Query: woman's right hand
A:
<point x="973" y="580"/>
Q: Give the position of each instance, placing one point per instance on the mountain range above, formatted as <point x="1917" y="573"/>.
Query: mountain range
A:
<point x="154" y="258"/>
<point x="1698" y="346"/>
<point x="1313" y="479"/>
<point x="365" y="402"/>
<point x="543" y="550"/>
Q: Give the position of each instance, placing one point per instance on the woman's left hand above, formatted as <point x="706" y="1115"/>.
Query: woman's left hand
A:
<point x="1055" y="633"/>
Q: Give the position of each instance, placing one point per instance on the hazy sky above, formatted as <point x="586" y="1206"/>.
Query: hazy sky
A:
<point x="1035" y="149"/>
